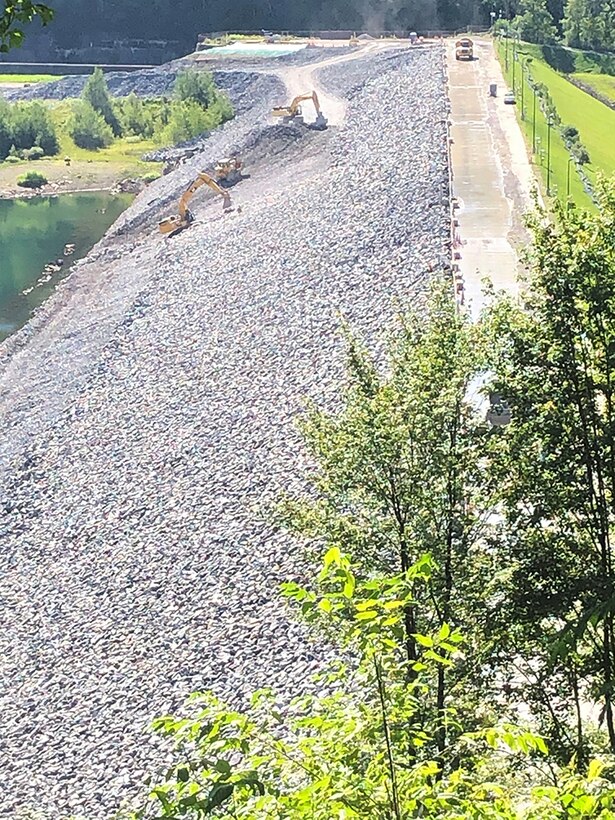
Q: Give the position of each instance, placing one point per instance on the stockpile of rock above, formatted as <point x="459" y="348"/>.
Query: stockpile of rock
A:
<point x="139" y="561"/>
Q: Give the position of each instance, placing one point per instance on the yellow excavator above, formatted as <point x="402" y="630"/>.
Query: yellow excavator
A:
<point x="228" y="171"/>
<point x="292" y="113"/>
<point x="185" y="217"/>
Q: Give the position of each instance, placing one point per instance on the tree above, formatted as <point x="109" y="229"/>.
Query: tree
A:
<point x="135" y="118"/>
<point x="362" y="747"/>
<point x="534" y="22"/>
<point x="187" y="120"/>
<point x="6" y="137"/>
<point x="17" y="13"/>
<point x="195" y="86"/>
<point x="88" y="127"/>
<point x="399" y="474"/>
<point x="590" y="24"/>
<point x="555" y="365"/>
<point x="96" y="94"/>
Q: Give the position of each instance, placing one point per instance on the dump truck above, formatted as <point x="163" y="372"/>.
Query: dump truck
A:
<point x="464" y="49"/>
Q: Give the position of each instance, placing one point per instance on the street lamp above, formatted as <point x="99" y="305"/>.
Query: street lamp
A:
<point x="549" y="124"/>
<point x="522" y="87"/>
<point x="570" y="159"/>
<point x="506" y="58"/>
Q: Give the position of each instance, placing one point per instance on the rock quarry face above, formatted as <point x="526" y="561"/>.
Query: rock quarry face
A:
<point x="149" y="418"/>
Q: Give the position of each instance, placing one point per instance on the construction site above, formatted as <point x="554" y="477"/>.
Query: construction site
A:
<point x="150" y="405"/>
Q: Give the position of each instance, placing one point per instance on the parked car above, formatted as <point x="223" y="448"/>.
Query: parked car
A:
<point x="509" y="98"/>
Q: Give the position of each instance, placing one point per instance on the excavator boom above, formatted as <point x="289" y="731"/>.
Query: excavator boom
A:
<point x="173" y="224"/>
<point x="292" y="112"/>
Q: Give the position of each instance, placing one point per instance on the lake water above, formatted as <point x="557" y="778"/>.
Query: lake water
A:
<point x="34" y="232"/>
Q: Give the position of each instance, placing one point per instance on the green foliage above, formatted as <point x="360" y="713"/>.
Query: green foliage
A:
<point x="534" y="22"/>
<point x="188" y="119"/>
<point x="14" y="14"/>
<point x="32" y="180"/>
<point x="36" y="152"/>
<point x="555" y="364"/>
<point x="96" y="94"/>
<point x="88" y="127"/>
<point x="365" y="746"/>
<point x="135" y="116"/>
<point x="195" y="86"/>
<point x="25" y="126"/>
<point x="590" y="25"/>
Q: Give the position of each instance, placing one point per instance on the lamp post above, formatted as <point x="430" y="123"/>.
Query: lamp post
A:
<point x="534" y="121"/>
<point x="549" y="124"/>
<point x="514" y="59"/>
<point x="506" y="57"/>
<point x="570" y="159"/>
<point x="522" y="87"/>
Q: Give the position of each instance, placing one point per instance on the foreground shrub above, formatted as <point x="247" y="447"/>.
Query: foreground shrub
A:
<point x="32" y="180"/>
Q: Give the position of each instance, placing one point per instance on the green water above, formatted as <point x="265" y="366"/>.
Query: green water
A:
<point x="33" y="232"/>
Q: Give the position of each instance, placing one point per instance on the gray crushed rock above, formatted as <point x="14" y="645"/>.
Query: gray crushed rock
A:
<point x="138" y="563"/>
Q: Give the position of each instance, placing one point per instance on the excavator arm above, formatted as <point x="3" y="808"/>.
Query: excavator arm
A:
<point x="173" y="224"/>
<point x="292" y="111"/>
<point x="202" y="179"/>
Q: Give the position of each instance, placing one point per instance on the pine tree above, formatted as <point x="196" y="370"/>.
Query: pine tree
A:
<point x="96" y="93"/>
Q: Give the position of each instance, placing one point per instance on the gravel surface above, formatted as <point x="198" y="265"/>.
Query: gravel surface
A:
<point x="233" y="76"/>
<point x="242" y="87"/>
<point x="138" y="563"/>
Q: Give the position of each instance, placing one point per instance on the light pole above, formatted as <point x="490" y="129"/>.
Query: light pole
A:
<point x="506" y="58"/>
<point x="549" y="124"/>
<point x="522" y="87"/>
<point x="534" y="121"/>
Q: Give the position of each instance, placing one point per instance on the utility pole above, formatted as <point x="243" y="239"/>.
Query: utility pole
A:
<point x="549" y="156"/>
<point x="522" y="87"/>
<point x="570" y="159"/>
<point x="534" y="122"/>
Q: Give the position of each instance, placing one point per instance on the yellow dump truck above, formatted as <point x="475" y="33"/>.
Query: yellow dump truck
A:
<point x="464" y="49"/>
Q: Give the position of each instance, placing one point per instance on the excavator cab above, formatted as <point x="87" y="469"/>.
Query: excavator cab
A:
<point x="228" y="170"/>
<point x="292" y="113"/>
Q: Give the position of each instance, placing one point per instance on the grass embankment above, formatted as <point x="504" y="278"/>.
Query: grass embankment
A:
<point x="594" y="120"/>
<point x="602" y="84"/>
<point x="27" y="79"/>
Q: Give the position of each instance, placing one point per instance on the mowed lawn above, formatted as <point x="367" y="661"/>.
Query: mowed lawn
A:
<point x="563" y="177"/>
<point x="602" y="83"/>
<point x="594" y="120"/>
<point x="28" y="78"/>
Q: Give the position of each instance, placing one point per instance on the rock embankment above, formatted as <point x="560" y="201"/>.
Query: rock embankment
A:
<point x="138" y="563"/>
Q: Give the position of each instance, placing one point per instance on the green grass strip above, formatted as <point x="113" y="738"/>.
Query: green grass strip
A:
<point x="563" y="175"/>
<point x="28" y="78"/>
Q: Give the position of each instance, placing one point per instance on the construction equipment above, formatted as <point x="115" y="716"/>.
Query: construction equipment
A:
<point x="292" y="113"/>
<point x="185" y="217"/>
<point x="228" y="171"/>
<point x="464" y="49"/>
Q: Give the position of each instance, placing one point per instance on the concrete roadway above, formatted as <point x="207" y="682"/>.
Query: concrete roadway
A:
<point x="492" y="175"/>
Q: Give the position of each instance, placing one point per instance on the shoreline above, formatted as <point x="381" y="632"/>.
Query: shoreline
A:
<point x="126" y="185"/>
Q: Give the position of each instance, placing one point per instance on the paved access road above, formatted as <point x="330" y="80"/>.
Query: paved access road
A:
<point x="492" y="174"/>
